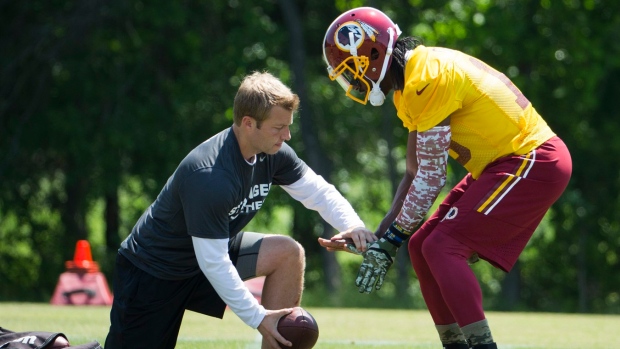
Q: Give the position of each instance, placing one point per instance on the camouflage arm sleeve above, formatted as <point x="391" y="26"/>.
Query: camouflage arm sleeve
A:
<point x="432" y="155"/>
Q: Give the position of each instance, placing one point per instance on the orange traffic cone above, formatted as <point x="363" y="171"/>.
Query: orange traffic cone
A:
<point x="82" y="259"/>
<point x="82" y="283"/>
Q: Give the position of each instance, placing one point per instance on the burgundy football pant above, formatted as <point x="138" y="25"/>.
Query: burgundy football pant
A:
<point x="493" y="216"/>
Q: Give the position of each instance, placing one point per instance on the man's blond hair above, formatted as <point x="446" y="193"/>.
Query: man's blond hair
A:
<point x="258" y="93"/>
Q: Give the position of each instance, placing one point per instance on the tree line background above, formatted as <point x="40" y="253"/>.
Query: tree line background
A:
<point x="100" y="100"/>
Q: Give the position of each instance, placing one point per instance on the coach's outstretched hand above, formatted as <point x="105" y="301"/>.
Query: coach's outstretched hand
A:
<point x="354" y="240"/>
<point x="377" y="260"/>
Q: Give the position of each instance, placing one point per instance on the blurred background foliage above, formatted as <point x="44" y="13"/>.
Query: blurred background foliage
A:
<point x="100" y="100"/>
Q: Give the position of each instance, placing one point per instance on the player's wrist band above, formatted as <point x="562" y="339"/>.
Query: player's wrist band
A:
<point x="396" y="234"/>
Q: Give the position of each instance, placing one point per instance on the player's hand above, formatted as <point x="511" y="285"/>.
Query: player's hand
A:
<point x="379" y="257"/>
<point x="377" y="260"/>
<point x="268" y="328"/>
<point x="353" y="240"/>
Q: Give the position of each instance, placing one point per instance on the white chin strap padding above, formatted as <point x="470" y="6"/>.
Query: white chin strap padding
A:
<point x="376" y="96"/>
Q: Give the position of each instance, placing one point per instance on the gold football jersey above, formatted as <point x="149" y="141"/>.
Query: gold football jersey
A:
<point x="490" y="117"/>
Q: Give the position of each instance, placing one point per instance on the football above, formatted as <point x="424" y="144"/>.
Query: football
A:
<point x="300" y="328"/>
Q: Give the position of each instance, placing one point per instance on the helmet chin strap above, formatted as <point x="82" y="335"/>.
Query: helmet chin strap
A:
<point x="376" y="96"/>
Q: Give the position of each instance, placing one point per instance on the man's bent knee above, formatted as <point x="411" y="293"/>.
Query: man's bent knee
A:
<point x="277" y="251"/>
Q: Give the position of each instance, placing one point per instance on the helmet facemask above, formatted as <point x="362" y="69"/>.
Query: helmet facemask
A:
<point x="350" y="76"/>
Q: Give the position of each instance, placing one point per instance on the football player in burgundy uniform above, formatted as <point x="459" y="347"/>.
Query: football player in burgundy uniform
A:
<point x="453" y="105"/>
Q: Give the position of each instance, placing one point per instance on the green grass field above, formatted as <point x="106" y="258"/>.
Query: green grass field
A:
<point x="339" y="328"/>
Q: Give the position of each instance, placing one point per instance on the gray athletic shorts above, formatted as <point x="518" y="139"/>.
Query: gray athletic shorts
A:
<point x="243" y="251"/>
<point x="147" y="311"/>
<point x="245" y="245"/>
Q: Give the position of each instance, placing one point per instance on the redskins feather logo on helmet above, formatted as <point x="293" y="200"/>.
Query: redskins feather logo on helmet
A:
<point x="357" y="49"/>
<point x="359" y="29"/>
<point x="349" y="36"/>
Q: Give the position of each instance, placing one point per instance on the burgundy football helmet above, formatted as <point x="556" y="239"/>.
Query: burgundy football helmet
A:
<point x="357" y="49"/>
